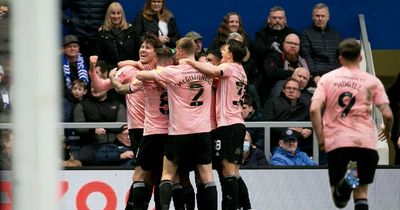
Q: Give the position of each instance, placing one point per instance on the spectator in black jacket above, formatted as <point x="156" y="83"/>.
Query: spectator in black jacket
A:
<point x="289" y="106"/>
<point x="100" y="107"/>
<point x="319" y="43"/>
<point x="117" y="40"/>
<point x="156" y="19"/>
<point x="252" y="156"/>
<point x="87" y="17"/>
<point x="281" y="65"/>
<point x="117" y="153"/>
<point x="269" y="38"/>
<point x="251" y="113"/>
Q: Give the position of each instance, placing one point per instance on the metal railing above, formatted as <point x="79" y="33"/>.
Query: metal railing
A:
<point x="264" y="124"/>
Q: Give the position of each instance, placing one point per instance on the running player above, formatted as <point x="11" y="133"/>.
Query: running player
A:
<point x="346" y="130"/>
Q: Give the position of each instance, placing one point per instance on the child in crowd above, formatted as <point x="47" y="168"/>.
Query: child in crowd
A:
<point x="79" y="90"/>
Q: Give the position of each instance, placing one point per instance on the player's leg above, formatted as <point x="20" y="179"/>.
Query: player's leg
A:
<point x="232" y="138"/>
<point x="360" y="196"/>
<point x="168" y="174"/>
<point x="244" y="198"/>
<point x="202" y="154"/>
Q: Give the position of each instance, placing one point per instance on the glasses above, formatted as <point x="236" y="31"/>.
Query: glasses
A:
<point x="293" y="43"/>
<point x="276" y="18"/>
<point x="292" y="88"/>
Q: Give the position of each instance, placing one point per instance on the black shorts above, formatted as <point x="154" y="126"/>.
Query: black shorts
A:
<point x="136" y="136"/>
<point x="229" y="143"/>
<point x="367" y="160"/>
<point x="151" y="152"/>
<point x="189" y="149"/>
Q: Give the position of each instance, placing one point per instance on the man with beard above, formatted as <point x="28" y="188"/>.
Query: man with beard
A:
<point x="279" y="66"/>
<point x="269" y="37"/>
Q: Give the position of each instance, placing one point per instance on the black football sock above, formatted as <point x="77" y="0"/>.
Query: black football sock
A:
<point x="230" y="192"/>
<point x="188" y="196"/>
<point x="361" y="204"/>
<point x="244" y="198"/>
<point x="139" y="195"/>
<point x="209" y="200"/>
<point x="177" y="196"/>
<point x="165" y="194"/>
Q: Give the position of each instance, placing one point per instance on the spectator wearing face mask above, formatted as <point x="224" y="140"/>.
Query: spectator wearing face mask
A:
<point x="252" y="156"/>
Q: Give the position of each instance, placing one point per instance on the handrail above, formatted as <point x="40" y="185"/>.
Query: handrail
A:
<point x="365" y="44"/>
<point x="263" y="124"/>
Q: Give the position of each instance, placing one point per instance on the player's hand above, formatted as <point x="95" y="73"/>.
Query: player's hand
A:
<point x="384" y="134"/>
<point x="306" y="132"/>
<point x="137" y="83"/>
<point x="93" y="61"/>
<point x="113" y="73"/>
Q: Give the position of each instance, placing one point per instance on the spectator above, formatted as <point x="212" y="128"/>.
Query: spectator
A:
<point x="6" y="142"/>
<point x="5" y="103"/>
<point x="250" y="113"/>
<point x="214" y="57"/>
<point x="269" y="38"/>
<point x="288" y="154"/>
<point x="155" y="18"/>
<point x="118" y="153"/>
<point x="117" y="40"/>
<point x="247" y="62"/>
<point x="85" y="21"/>
<point x="74" y="66"/>
<point x="280" y="66"/>
<point x="69" y="158"/>
<point x="302" y="75"/>
<point x="394" y="98"/>
<point x="79" y="90"/>
<point x="289" y="106"/>
<point x="198" y="41"/>
<point x="319" y="43"/>
<point x="4" y="30"/>
<point x="231" y="22"/>
<point x="252" y="156"/>
<point x="97" y="108"/>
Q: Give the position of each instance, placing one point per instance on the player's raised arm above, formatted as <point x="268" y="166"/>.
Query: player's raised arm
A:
<point x="205" y="68"/>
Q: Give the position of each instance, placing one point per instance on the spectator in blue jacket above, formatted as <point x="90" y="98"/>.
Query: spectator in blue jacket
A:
<point x="117" y="153"/>
<point x="288" y="154"/>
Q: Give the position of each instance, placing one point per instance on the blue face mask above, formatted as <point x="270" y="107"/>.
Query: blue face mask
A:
<point x="246" y="146"/>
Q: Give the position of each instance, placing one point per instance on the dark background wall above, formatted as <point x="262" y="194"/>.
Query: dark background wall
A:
<point x="204" y="16"/>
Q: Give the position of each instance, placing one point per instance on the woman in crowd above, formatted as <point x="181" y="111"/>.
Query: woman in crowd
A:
<point x="155" y="18"/>
<point x="117" y="40"/>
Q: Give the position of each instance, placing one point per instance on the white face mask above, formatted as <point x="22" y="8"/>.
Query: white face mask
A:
<point x="246" y="146"/>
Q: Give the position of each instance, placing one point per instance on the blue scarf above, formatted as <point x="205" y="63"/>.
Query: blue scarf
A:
<point x="82" y="71"/>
